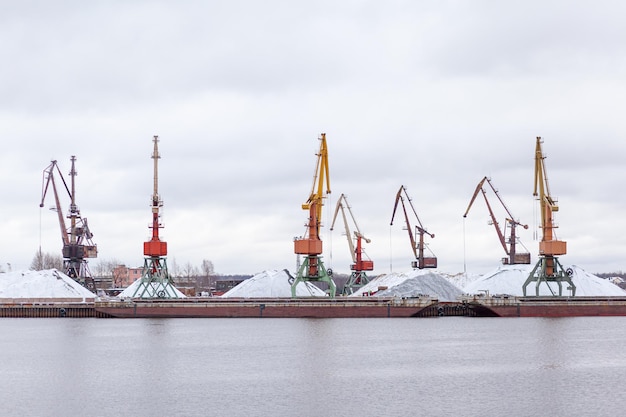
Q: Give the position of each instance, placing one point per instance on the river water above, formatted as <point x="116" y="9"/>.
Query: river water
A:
<point x="446" y="366"/>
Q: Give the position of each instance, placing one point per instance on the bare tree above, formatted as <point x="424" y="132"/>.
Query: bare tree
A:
<point x="173" y="268"/>
<point x="46" y="260"/>
<point x="189" y="270"/>
<point x="208" y="271"/>
<point x="207" y="268"/>
<point x="105" y="267"/>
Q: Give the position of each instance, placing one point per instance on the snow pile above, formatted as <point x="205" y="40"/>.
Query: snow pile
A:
<point x="49" y="283"/>
<point x="411" y="284"/>
<point x="273" y="283"/>
<point x="508" y="279"/>
<point x="130" y="290"/>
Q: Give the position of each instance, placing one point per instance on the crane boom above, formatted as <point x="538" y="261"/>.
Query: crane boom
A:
<point x="418" y="249"/>
<point x="155" y="247"/>
<point x="321" y="177"/>
<point x="512" y="256"/>
<point x="312" y="245"/>
<point x="49" y="179"/>
<point x="548" y="205"/>
<point x="340" y="206"/>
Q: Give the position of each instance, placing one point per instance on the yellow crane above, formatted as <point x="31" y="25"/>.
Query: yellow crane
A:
<point x="358" y="277"/>
<point x="548" y="268"/>
<point x="312" y="269"/>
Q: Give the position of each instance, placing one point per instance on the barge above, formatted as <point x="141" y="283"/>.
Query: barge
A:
<point x="549" y="306"/>
<point x="313" y="307"/>
<point x="367" y="307"/>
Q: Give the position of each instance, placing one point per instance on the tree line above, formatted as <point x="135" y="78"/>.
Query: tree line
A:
<point x="105" y="267"/>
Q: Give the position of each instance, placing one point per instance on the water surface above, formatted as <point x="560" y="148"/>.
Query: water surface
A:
<point x="449" y="366"/>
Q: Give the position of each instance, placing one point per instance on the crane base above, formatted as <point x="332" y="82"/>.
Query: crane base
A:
<point x="305" y="275"/>
<point x="357" y="280"/>
<point x="155" y="280"/>
<point x="78" y="270"/>
<point x="549" y="269"/>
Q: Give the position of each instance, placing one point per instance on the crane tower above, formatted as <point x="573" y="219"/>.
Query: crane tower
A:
<point x="312" y="269"/>
<point x="155" y="279"/>
<point x="548" y="268"/>
<point x="77" y="243"/>
<point x="358" y="277"/>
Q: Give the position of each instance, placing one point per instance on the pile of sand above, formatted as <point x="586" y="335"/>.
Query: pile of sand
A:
<point x="129" y="291"/>
<point x="46" y="284"/>
<point x="508" y="279"/>
<point x="273" y="283"/>
<point x="411" y="284"/>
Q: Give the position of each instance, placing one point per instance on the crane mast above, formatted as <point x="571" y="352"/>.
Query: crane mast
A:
<point x="548" y="268"/>
<point x="312" y="269"/>
<point x="155" y="281"/>
<point x="513" y="257"/>
<point x="77" y="239"/>
<point x="421" y="261"/>
<point x="358" y="276"/>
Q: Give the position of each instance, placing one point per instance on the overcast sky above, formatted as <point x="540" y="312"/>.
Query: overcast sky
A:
<point x="432" y="95"/>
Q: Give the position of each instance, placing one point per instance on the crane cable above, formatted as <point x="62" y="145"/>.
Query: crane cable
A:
<point x="40" y="228"/>
<point x="535" y="221"/>
<point x="464" y="258"/>
<point x="329" y="232"/>
<point x="390" y="253"/>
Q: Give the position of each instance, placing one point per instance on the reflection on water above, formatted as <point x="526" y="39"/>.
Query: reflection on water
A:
<point x="313" y="367"/>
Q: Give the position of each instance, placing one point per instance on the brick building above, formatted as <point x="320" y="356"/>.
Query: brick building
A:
<point x="123" y="276"/>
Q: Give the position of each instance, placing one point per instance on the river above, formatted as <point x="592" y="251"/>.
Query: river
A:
<point x="447" y="366"/>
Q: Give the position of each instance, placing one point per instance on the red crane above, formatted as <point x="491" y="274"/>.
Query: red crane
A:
<point x="421" y="261"/>
<point x="77" y="243"/>
<point x="513" y="257"/>
<point x="155" y="247"/>
<point x="358" y="277"/>
<point x="155" y="278"/>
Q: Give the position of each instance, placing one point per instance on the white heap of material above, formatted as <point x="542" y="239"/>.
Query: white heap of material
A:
<point x="273" y="284"/>
<point x="411" y="284"/>
<point x="130" y="290"/>
<point x="49" y="283"/>
<point x="508" y="279"/>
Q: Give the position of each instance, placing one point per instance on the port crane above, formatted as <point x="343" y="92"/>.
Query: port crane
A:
<point x="155" y="281"/>
<point x="310" y="245"/>
<point x="513" y="257"/>
<point x="420" y="261"/>
<point x="359" y="266"/>
<point x="77" y="238"/>
<point x="548" y="268"/>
